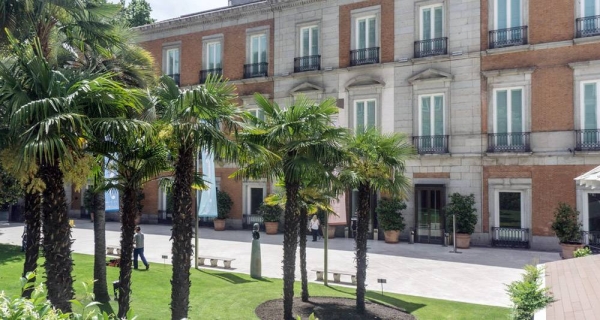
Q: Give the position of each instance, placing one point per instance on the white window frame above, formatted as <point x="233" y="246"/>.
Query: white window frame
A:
<point x="508" y="10"/>
<point x="258" y="113"/>
<point x="582" y="103"/>
<point x="522" y="185"/>
<point x="420" y="19"/>
<point x="497" y="205"/>
<point x="246" y="193"/>
<point x="363" y="13"/>
<point x="210" y="49"/>
<point x="266" y="50"/>
<point x="310" y="40"/>
<point x="509" y="109"/>
<point x="367" y="31"/>
<point x="582" y="8"/>
<point x="432" y="112"/>
<point x="354" y="115"/>
<point x="168" y="66"/>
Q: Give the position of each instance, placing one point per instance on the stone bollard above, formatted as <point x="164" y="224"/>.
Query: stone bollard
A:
<point x="255" y="259"/>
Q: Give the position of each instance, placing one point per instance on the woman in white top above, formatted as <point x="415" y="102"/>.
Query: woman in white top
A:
<point x="314" y="227"/>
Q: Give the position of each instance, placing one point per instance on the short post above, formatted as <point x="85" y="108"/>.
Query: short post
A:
<point x="446" y="239"/>
<point x="382" y="281"/>
<point x="411" y="238"/>
<point x="375" y="234"/>
<point x="165" y="257"/>
<point x="346" y="232"/>
<point x="454" y="233"/>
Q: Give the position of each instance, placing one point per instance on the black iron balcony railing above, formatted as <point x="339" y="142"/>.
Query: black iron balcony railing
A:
<point x="431" y="144"/>
<point x="508" y="142"/>
<point x="255" y="70"/>
<point x="175" y="77"/>
<point x="592" y="240"/>
<point x="431" y="47"/>
<point x="308" y="63"/>
<point x="587" y="140"/>
<point x="215" y="72"/>
<point x="588" y="26"/>
<point x="364" y="56"/>
<point x="510" y="237"/>
<point x="508" y="37"/>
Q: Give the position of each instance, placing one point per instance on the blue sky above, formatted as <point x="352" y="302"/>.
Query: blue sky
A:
<point x="167" y="9"/>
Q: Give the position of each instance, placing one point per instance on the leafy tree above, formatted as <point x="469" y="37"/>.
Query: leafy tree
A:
<point x="197" y="118"/>
<point x="528" y="295"/>
<point x="463" y="207"/>
<point x="309" y="144"/>
<point x="137" y="13"/>
<point x="377" y="163"/>
<point x="10" y="189"/>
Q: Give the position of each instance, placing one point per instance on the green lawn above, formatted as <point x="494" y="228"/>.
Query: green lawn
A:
<point x="224" y="295"/>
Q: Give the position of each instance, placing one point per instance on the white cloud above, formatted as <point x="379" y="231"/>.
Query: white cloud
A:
<point x="167" y="9"/>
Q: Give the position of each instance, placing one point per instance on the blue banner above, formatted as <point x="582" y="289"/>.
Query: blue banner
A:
<point x="111" y="197"/>
<point x="208" y="198"/>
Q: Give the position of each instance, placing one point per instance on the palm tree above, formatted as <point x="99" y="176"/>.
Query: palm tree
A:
<point x="304" y="137"/>
<point x="377" y="163"/>
<point x="199" y="118"/>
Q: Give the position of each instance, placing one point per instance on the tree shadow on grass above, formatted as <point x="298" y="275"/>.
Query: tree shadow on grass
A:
<point x="10" y="254"/>
<point x="376" y="297"/>
<point x="106" y="307"/>
<point x="233" y="278"/>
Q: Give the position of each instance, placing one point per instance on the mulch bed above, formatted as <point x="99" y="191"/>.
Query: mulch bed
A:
<point x="327" y="308"/>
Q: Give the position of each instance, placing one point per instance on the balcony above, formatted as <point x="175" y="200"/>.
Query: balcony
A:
<point x="587" y="140"/>
<point x="364" y="56"/>
<point x="431" y="47"/>
<point x="510" y="237"/>
<point x="587" y="26"/>
<point x="256" y="70"/>
<point x="431" y="144"/>
<point x="308" y="63"/>
<point x="508" y="142"/>
<point x="508" y="37"/>
<point x="215" y="72"/>
<point x="175" y="77"/>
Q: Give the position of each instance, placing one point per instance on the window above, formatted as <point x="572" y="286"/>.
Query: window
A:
<point x="590" y="8"/>
<point x="172" y="65"/>
<point x="589" y="112"/>
<point x="509" y="27"/>
<point x="365" y="36"/>
<point x="432" y="21"/>
<point x="366" y="33"/>
<point x="508" y="14"/>
<point x="364" y="114"/>
<point x="508" y="117"/>
<point x="431" y="116"/>
<point x="258" y="113"/>
<point x="510" y="209"/>
<point x="258" y="48"/>
<point x="213" y="56"/>
<point x="309" y="41"/>
<point x="588" y="24"/>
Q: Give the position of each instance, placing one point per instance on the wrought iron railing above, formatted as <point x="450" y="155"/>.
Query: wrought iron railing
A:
<point x="431" y="144"/>
<point x="308" y="63"/>
<point x="510" y="237"/>
<point x="175" y="77"/>
<point x="508" y="142"/>
<point x="364" y="56"/>
<point x="215" y="72"/>
<point x="255" y="70"/>
<point x="431" y="47"/>
<point x="248" y="220"/>
<point x="508" y="37"/>
<point x="592" y="240"/>
<point x="587" y="140"/>
<point x="588" y="26"/>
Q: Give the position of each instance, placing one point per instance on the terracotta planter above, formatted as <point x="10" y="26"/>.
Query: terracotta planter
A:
<point x="271" y="227"/>
<point x="569" y="248"/>
<point x="463" y="240"/>
<point x="219" y="224"/>
<point x="392" y="236"/>
<point x="330" y="231"/>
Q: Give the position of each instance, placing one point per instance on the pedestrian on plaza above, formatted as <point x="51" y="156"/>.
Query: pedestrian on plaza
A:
<point x="314" y="227"/>
<point x="138" y="239"/>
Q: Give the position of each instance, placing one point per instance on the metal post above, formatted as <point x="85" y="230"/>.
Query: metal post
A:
<point x="454" y="233"/>
<point x="196" y="220"/>
<point x="326" y="238"/>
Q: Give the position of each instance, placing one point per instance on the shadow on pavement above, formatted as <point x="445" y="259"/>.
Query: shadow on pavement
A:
<point x="10" y="253"/>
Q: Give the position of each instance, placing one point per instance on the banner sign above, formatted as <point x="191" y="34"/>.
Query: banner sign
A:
<point x="111" y="197"/>
<point x="208" y="198"/>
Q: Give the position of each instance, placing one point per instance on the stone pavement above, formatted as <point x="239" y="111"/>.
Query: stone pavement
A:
<point x="477" y="275"/>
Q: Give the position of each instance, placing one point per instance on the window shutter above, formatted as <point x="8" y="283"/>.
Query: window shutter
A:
<point x="438" y="115"/>
<point x="502" y="14"/>
<point x="425" y="116"/>
<point x="254" y="50"/>
<point x="426" y="24"/>
<point x="362" y="34"/>
<point x="439" y="29"/>
<point x="516" y="111"/>
<point x="305" y="42"/>
<point x="371" y="114"/>
<point x="315" y="41"/>
<point x="589" y="8"/>
<point x="501" y="112"/>
<point x="590" y="106"/>
<point x="263" y="48"/>
<point x="372" y="33"/>
<point x="515" y="14"/>
<point x="360" y="116"/>
<point x="218" y="55"/>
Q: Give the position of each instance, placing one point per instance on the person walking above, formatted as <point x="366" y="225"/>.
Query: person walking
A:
<point x="314" y="227"/>
<point x="139" y="248"/>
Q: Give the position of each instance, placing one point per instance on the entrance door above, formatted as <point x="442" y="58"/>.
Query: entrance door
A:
<point x="429" y="222"/>
<point x="256" y="199"/>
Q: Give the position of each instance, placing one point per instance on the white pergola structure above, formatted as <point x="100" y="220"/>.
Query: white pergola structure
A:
<point x="590" y="179"/>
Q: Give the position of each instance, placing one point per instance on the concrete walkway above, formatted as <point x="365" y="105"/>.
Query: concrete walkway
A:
<point x="477" y="275"/>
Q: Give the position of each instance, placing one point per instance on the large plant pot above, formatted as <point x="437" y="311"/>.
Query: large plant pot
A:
<point x="392" y="236"/>
<point x="219" y="224"/>
<point x="330" y="231"/>
<point x="569" y="248"/>
<point x="271" y="227"/>
<point x="463" y="240"/>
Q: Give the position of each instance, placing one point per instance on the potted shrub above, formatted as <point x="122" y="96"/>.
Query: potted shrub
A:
<point x="567" y="228"/>
<point x="390" y="218"/>
<point x="271" y="215"/>
<point x="463" y="207"/>
<point x="224" y="204"/>
<point x="330" y="229"/>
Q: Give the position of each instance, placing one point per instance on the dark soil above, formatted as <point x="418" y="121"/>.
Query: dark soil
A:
<point x="327" y="308"/>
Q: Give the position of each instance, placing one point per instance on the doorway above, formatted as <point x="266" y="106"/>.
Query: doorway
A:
<point x="430" y="221"/>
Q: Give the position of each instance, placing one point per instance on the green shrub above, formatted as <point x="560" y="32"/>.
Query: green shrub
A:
<point x="463" y="207"/>
<point x="270" y="213"/>
<point x="566" y="224"/>
<point x="389" y="214"/>
<point x="224" y="204"/>
<point x="528" y="295"/>
<point x="583" y="252"/>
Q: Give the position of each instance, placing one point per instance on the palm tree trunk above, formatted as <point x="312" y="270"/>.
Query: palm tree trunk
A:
<point x="183" y="232"/>
<point x="290" y="244"/>
<point x="57" y="238"/>
<point x="303" y="273"/>
<point x="128" y="216"/>
<point x="100" y="289"/>
<point x="33" y="215"/>
<point x="364" y="194"/>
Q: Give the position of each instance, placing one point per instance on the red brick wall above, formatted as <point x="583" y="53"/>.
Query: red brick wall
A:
<point x="386" y="30"/>
<point x="550" y="185"/>
<point x="233" y="188"/>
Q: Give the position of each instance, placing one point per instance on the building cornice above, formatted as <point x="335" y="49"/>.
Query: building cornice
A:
<point x="584" y="64"/>
<point x="505" y="72"/>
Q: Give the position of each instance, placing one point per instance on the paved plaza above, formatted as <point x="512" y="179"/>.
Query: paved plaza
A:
<point x="477" y="275"/>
